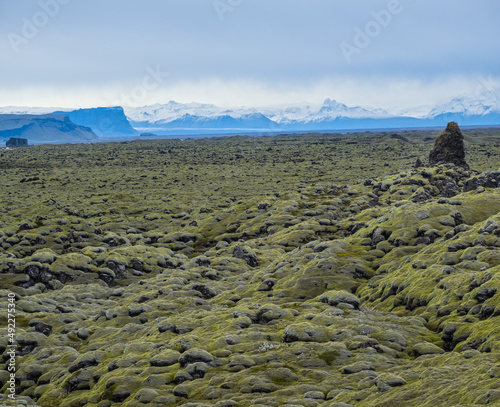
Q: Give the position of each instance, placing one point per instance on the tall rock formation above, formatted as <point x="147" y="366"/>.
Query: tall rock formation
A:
<point x="449" y="147"/>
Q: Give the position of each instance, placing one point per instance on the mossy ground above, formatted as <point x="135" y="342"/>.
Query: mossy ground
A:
<point x="294" y="270"/>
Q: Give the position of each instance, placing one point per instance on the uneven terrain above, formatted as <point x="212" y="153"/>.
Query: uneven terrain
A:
<point x="318" y="270"/>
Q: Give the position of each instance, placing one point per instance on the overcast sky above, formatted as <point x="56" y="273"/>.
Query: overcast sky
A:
<point x="388" y="53"/>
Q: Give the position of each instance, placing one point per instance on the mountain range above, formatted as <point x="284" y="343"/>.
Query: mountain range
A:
<point x="44" y="125"/>
<point x="331" y="115"/>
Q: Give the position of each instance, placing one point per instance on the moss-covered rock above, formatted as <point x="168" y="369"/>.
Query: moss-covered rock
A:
<point x="279" y="278"/>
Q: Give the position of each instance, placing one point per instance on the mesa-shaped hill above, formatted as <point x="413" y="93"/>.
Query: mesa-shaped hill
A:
<point x="104" y="121"/>
<point x="48" y="128"/>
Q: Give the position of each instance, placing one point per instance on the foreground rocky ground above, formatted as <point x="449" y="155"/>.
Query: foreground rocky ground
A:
<point x="290" y="271"/>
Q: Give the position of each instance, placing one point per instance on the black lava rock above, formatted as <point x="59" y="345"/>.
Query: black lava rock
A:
<point x="449" y="147"/>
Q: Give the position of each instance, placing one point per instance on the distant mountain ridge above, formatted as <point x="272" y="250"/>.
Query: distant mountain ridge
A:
<point x="104" y="121"/>
<point x="247" y="121"/>
<point x="468" y="111"/>
<point x="48" y="128"/>
<point x="172" y="111"/>
<point x="331" y="115"/>
<point x="480" y="106"/>
<point x="175" y="118"/>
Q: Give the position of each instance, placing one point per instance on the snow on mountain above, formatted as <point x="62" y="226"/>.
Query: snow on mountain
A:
<point x="468" y="106"/>
<point x="165" y="113"/>
<point x="255" y="121"/>
<point x="332" y="110"/>
<point x="420" y="111"/>
<point x="290" y="114"/>
<point x="329" y="115"/>
<point x="301" y="113"/>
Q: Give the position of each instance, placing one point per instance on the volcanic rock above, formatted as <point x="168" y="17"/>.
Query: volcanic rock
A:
<point x="449" y="147"/>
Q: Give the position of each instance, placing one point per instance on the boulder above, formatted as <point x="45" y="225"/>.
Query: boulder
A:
<point x="246" y="254"/>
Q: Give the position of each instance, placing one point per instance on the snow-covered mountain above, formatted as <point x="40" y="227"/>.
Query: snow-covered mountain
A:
<point x="330" y="110"/>
<point x="330" y="115"/>
<point x="164" y="113"/>
<point x="175" y="118"/>
<point x="481" y="110"/>
<point x="284" y="116"/>
<point x="468" y="106"/>
<point x="252" y="121"/>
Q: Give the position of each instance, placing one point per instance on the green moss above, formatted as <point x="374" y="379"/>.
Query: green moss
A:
<point x="121" y="206"/>
<point x="281" y="381"/>
<point x="329" y="356"/>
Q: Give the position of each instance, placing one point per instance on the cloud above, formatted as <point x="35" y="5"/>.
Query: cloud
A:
<point x="392" y="94"/>
<point x="261" y="52"/>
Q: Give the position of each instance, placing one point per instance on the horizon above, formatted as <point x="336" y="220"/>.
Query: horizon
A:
<point x="235" y="53"/>
<point x="489" y="96"/>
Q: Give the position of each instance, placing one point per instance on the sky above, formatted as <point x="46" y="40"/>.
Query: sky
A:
<point x="391" y="54"/>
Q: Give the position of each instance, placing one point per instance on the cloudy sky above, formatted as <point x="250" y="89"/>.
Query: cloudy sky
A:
<point x="391" y="53"/>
